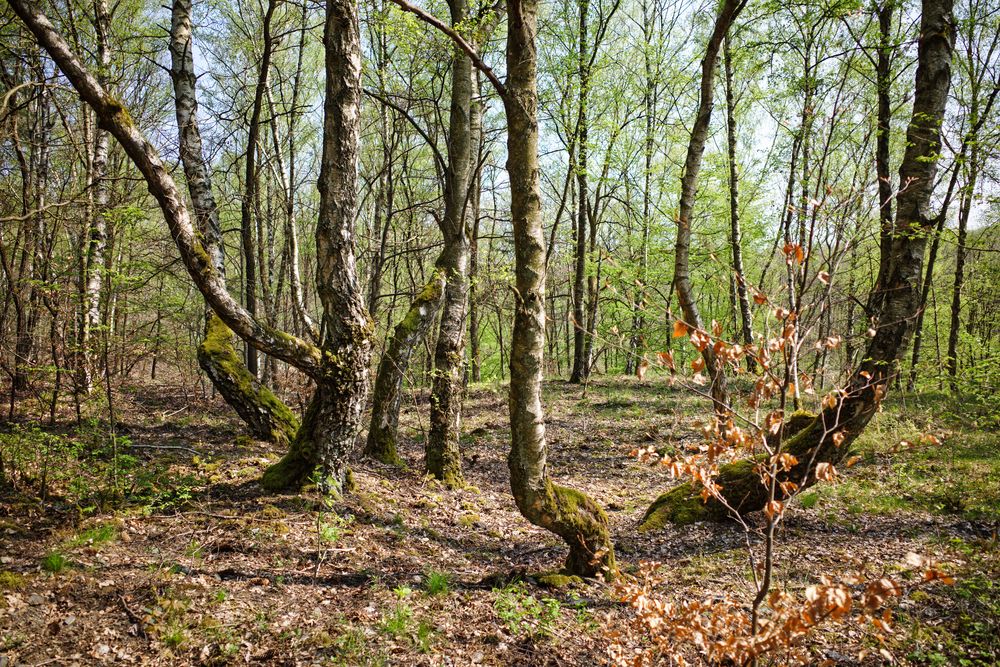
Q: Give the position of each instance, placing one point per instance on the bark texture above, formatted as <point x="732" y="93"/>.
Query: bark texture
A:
<point x="566" y="512"/>
<point x="828" y="436"/>
<point x="330" y="427"/>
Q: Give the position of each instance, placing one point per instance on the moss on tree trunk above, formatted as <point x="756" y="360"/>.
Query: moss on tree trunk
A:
<point x="387" y="396"/>
<point x="264" y="413"/>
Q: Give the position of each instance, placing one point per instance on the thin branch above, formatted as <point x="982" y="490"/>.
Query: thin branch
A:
<point x="477" y="62"/>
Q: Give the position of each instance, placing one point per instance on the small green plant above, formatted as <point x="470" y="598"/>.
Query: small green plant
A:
<point x="54" y="562"/>
<point x="437" y="583"/>
<point x="402" y="592"/>
<point x="95" y="537"/>
<point x="425" y="637"/>
<point x="399" y="621"/>
<point x="522" y="612"/>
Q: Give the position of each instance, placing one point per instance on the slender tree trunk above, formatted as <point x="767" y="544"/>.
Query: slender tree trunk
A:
<point x="98" y="233"/>
<point x="689" y="185"/>
<point x="735" y="233"/>
<point x="566" y="512"/>
<point x="387" y="394"/>
<point x="883" y="84"/>
<point x="581" y="360"/>
<point x="638" y="343"/>
<point x="476" y="192"/>
<point x="250" y="183"/>
<point x="443" y="458"/>
<point x="965" y="206"/>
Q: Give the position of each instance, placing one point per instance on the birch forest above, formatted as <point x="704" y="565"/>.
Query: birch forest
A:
<point x="499" y="332"/>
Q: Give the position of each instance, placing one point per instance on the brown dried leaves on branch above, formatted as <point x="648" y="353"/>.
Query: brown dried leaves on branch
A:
<point x="719" y="630"/>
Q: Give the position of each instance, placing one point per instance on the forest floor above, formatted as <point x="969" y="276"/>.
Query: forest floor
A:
<point x="199" y="566"/>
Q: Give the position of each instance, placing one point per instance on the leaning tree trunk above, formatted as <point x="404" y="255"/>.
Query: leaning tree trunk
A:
<point x="827" y="437"/>
<point x="264" y="413"/>
<point x="689" y="186"/>
<point x="566" y="512"/>
<point x="387" y="395"/>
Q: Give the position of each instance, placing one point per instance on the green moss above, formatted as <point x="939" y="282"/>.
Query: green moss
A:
<point x="265" y="413"/>
<point x="681" y="505"/>
<point x="580" y="519"/>
<point x="556" y="579"/>
<point x="289" y="473"/>
<point x="739" y="480"/>
<point x="11" y="581"/>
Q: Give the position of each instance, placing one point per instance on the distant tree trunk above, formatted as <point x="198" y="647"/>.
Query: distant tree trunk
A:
<point x="883" y="84"/>
<point x="689" y="185"/>
<point x="250" y="181"/>
<point x="476" y="191"/>
<point x="387" y="395"/>
<point x="264" y="413"/>
<point x="826" y="438"/>
<point x="299" y="309"/>
<point x="581" y="360"/>
<point x="98" y="232"/>
<point x="637" y="346"/>
<point x="964" y="208"/>
<point x="568" y="513"/>
<point x="735" y="233"/>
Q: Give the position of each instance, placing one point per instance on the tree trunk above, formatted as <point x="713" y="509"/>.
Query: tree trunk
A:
<point x="250" y="183"/>
<point x="826" y="438"/>
<point x="965" y="207"/>
<point x="883" y="84"/>
<point x="689" y="185"/>
<point x="330" y="426"/>
<point x="387" y="395"/>
<point x="90" y="319"/>
<point x="265" y="415"/>
<point x="735" y="233"/>
<point x="443" y="458"/>
<point x="581" y="350"/>
<point x="566" y="512"/>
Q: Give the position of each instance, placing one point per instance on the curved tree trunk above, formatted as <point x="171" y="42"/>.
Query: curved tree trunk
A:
<point x="689" y="186"/>
<point x="387" y="394"/>
<point x="566" y="512"/>
<point x="826" y="438"/>
<point x="264" y="413"/>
